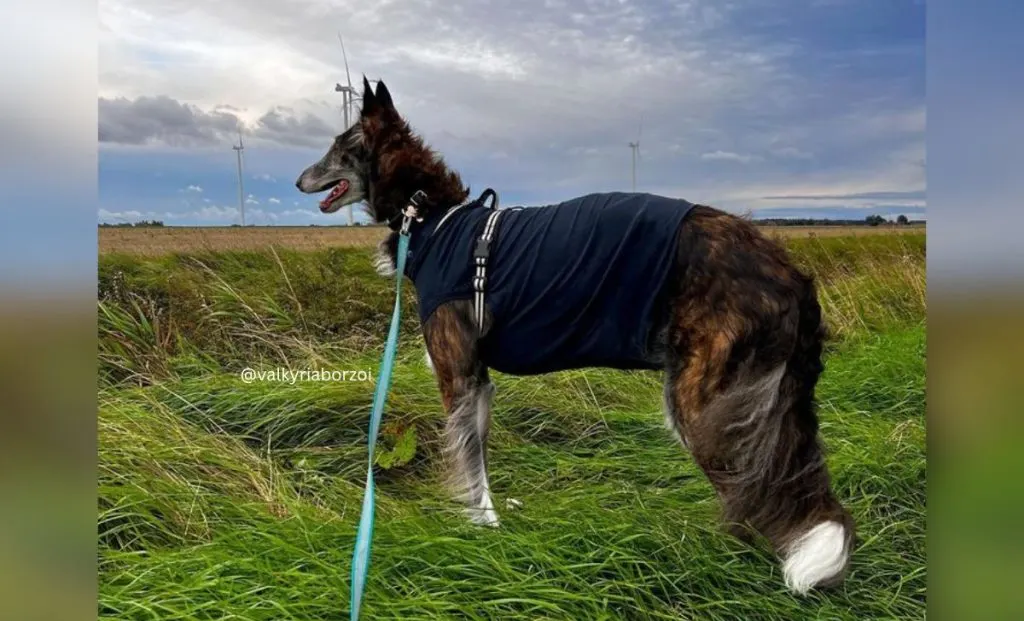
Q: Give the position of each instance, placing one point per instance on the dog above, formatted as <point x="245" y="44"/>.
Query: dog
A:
<point x="715" y="306"/>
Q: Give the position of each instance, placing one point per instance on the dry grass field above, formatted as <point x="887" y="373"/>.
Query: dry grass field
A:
<point x="160" y="241"/>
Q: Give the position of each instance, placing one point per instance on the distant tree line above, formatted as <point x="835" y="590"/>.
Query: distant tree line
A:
<point x="872" y="220"/>
<point x="133" y="225"/>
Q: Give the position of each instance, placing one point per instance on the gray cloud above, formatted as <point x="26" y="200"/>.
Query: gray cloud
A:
<point x="729" y="156"/>
<point x="166" y="121"/>
<point x="568" y="75"/>
<point x="285" y="126"/>
<point x="161" y="119"/>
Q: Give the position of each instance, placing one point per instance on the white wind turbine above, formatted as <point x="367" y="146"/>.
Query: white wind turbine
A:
<point x="238" y="148"/>
<point x="349" y="97"/>
<point x="348" y="93"/>
<point x="635" y="147"/>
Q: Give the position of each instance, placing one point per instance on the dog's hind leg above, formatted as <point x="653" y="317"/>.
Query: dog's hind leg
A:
<point x="747" y="341"/>
<point x="466" y="391"/>
<point x="750" y="426"/>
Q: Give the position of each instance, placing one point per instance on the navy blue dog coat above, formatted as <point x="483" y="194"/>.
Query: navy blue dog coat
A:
<point x="572" y="285"/>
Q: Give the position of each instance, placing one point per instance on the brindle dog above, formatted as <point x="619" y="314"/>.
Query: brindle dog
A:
<point x="741" y="350"/>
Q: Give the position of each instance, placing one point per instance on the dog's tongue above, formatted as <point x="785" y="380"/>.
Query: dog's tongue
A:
<point x="336" y="193"/>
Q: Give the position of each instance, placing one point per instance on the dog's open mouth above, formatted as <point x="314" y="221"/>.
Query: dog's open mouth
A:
<point x="327" y="204"/>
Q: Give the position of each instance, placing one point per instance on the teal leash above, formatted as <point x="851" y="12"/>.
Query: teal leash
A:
<point x="364" y="535"/>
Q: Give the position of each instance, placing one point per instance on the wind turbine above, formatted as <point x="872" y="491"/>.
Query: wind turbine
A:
<point x="241" y="191"/>
<point x="348" y="93"/>
<point x="348" y="97"/>
<point x="635" y="147"/>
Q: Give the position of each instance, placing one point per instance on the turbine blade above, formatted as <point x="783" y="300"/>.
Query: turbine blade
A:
<point x="640" y="129"/>
<point x="345" y="56"/>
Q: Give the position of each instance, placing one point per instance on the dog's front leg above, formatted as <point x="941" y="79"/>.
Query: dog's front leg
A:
<point x="466" y="391"/>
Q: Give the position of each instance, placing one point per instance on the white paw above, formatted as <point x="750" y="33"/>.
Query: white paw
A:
<point x="512" y="504"/>
<point x="430" y="363"/>
<point x="382" y="262"/>
<point x="483" y="517"/>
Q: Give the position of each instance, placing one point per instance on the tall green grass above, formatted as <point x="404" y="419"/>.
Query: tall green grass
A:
<point x="225" y="500"/>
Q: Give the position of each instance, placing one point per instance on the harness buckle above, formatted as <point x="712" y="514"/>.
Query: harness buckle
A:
<point x="482" y="250"/>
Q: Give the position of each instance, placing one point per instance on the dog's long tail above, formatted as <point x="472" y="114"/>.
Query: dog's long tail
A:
<point x="775" y="478"/>
<point x="815" y="545"/>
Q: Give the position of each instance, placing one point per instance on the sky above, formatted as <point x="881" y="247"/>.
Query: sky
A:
<point x="778" y="108"/>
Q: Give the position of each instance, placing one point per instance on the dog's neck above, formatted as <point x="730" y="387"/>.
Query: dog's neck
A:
<point x="434" y="200"/>
<point x="386" y="261"/>
<point x="407" y="168"/>
<point x="408" y="165"/>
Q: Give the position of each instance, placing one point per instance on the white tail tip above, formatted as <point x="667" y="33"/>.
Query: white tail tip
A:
<point x="817" y="557"/>
<point x="430" y="363"/>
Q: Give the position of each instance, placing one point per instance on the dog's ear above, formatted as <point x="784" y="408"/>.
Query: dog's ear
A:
<point x="383" y="97"/>
<point x="370" y="104"/>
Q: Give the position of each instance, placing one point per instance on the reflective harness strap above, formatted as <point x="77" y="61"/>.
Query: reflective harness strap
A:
<point x="449" y="213"/>
<point x="480" y="255"/>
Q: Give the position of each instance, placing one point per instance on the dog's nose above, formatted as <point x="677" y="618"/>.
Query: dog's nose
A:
<point x="298" y="183"/>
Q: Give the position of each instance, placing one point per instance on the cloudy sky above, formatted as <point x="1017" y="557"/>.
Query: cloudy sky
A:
<point x="779" y="107"/>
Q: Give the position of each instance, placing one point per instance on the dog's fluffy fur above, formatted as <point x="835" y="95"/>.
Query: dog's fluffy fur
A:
<point x="741" y="348"/>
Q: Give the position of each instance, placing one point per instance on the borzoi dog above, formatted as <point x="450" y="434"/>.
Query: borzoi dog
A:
<point x="628" y="281"/>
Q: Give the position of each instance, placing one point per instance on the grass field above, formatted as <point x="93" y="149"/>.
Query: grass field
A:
<point x="155" y="241"/>
<point x="162" y="240"/>
<point x="221" y="499"/>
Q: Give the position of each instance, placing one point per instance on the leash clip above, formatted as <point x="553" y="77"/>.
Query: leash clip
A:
<point x="411" y="211"/>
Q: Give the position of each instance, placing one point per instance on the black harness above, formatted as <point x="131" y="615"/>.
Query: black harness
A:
<point x="578" y="284"/>
<point x="481" y="251"/>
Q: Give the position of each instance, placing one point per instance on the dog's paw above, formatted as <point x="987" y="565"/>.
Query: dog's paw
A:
<point x="383" y="264"/>
<point x="484" y="517"/>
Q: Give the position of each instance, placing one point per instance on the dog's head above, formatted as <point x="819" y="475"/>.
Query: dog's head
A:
<point x="379" y="160"/>
<point x="345" y="169"/>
